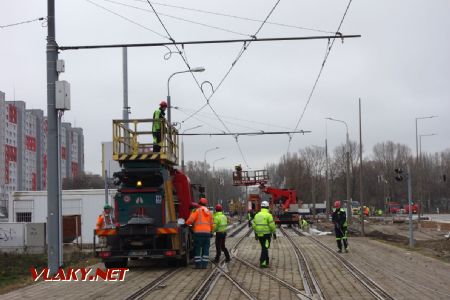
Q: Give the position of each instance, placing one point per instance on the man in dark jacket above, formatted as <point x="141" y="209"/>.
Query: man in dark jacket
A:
<point x="158" y="116"/>
<point x="339" y="218"/>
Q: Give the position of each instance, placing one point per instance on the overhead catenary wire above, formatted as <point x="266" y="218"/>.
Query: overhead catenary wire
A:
<point x="241" y="52"/>
<point x="226" y="75"/>
<point x="180" y="19"/>
<point x="329" y="47"/>
<point x="235" y="17"/>
<point x="23" y="22"/>
<point x="246" y="133"/>
<point x="207" y="115"/>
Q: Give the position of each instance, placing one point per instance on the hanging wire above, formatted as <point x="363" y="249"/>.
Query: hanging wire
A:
<point x="329" y="47"/>
<point x="26" y="22"/>
<point x="236" y="17"/>
<point x="207" y="115"/>
<point x="240" y="53"/>
<point x="127" y="19"/>
<point x="181" y="19"/>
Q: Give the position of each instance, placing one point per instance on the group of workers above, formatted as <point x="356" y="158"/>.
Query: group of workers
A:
<point x="205" y="224"/>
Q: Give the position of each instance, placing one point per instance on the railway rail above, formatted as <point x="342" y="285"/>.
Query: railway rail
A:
<point x="143" y="292"/>
<point x="377" y="291"/>
<point x="310" y="283"/>
<point x="208" y="284"/>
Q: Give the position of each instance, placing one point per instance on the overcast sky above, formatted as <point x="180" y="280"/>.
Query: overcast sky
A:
<point x="400" y="68"/>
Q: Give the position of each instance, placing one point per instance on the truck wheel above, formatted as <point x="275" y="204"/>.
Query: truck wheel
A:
<point x="184" y="261"/>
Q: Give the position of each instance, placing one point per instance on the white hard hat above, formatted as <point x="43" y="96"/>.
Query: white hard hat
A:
<point x="264" y="204"/>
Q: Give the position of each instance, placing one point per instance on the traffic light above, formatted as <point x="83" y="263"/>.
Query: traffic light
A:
<point x="399" y="174"/>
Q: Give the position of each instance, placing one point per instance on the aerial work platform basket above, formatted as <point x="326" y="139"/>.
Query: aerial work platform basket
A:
<point x="247" y="178"/>
<point x="134" y="140"/>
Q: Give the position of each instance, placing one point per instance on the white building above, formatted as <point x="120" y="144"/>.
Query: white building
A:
<point x="31" y="206"/>
<point x="108" y="164"/>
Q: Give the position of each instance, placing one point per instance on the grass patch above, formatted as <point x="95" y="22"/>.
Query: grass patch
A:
<point x="15" y="268"/>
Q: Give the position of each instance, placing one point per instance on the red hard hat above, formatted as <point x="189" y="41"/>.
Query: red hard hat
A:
<point x="218" y="207"/>
<point x="337" y="204"/>
<point x="194" y="205"/>
<point x="163" y="104"/>
<point x="203" y="201"/>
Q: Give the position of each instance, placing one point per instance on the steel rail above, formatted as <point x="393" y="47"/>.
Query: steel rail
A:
<point x="376" y="290"/>
<point x="154" y="284"/>
<point x="310" y="283"/>
<point x="145" y="290"/>
<point x="273" y="277"/>
<point x="203" y="291"/>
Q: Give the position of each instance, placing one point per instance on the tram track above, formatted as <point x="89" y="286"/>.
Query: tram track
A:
<point x="374" y="289"/>
<point x="156" y="283"/>
<point x="209" y="283"/>
<point x="310" y="283"/>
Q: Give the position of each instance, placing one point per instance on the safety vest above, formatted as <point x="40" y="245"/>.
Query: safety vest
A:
<point x="220" y="222"/>
<point x="157" y="115"/>
<point x="263" y="223"/>
<point x="304" y="223"/>
<point x="202" y="220"/>
<point x="105" y="221"/>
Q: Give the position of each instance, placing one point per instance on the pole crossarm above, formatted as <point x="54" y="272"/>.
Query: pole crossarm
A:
<point x="325" y="37"/>
<point x="248" y="133"/>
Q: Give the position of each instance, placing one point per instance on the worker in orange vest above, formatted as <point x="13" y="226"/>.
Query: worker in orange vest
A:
<point x="105" y="220"/>
<point x="202" y="221"/>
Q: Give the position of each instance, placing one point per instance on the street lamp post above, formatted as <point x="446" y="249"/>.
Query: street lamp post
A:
<point x="417" y="135"/>
<point x="347" y="154"/>
<point x="421" y="166"/>
<point x="204" y="165"/>
<point x="214" y="190"/>
<point x="198" y="69"/>
<point x="418" y="158"/>
<point x="182" y="145"/>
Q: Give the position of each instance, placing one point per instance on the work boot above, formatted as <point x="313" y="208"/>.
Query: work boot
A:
<point x="216" y="260"/>
<point x="197" y="266"/>
<point x="227" y="259"/>
<point x="346" y="250"/>
<point x="340" y="250"/>
<point x="263" y="265"/>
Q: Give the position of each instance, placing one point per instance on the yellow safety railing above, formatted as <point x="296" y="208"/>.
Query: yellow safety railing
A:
<point x="134" y="140"/>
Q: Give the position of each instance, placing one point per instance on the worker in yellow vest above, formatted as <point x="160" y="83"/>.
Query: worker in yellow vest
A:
<point x="220" y="228"/>
<point x="264" y="228"/>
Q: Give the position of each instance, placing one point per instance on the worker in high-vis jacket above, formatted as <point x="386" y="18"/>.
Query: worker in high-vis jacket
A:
<point x="158" y="117"/>
<point x="105" y="220"/>
<point x="339" y="219"/>
<point x="264" y="228"/>
<point x="202" y="221"/>
<point x="220" y="228"/>
<point x="303" y="224"/>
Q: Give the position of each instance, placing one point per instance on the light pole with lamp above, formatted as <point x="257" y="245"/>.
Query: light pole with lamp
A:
<point x="182" y="145"/>
<point x="347" y="154"/>
<point x="198" y="69"/>
<point x="417" y="135"/>
<point x="421" y="163"/>
<point x="214" y="194"/>
<point x="204" y="165"/>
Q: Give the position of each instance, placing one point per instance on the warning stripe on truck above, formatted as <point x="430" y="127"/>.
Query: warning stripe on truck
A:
<point x="167" y="231"/>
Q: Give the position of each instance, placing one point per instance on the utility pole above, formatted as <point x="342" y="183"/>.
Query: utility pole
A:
<point x="53" y="186"/>
<point x="327" y="187"/>
<point x="361" y="199"/>
<point x="349" y="202"/>
<point x="125" y="84"/>
<point x="411" y="237"/>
